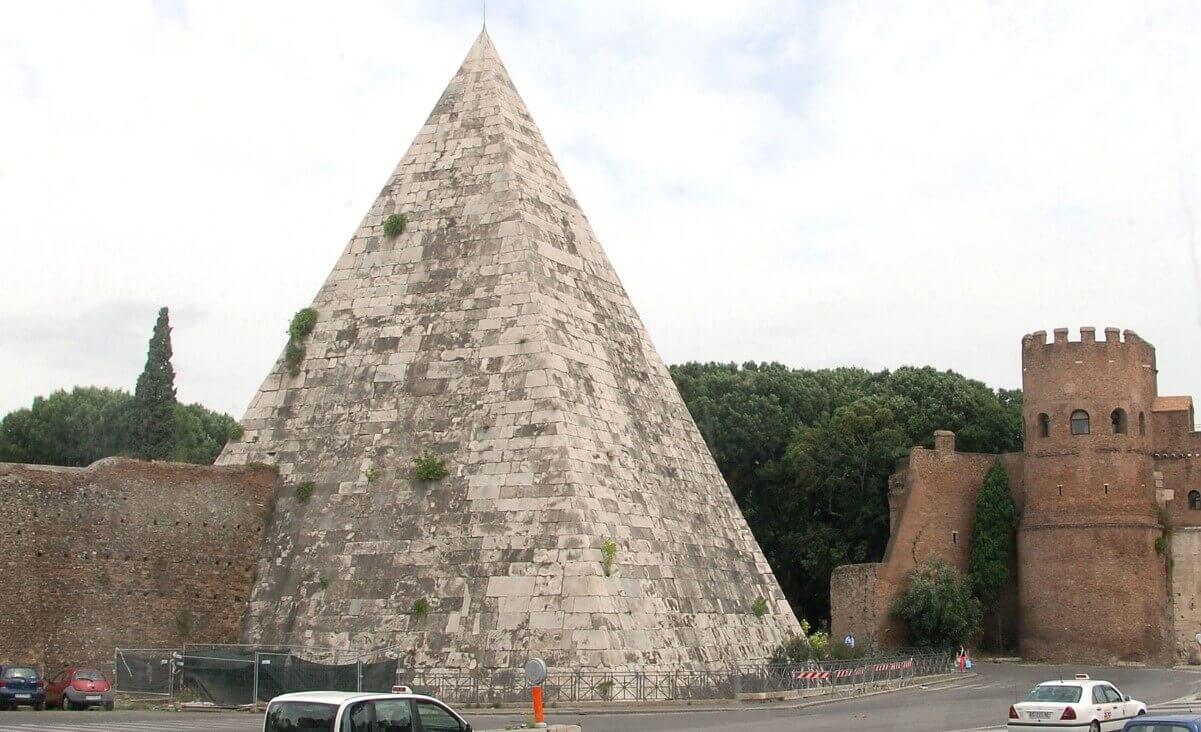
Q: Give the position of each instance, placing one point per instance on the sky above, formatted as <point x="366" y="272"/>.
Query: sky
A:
<point x="818" y="184"/>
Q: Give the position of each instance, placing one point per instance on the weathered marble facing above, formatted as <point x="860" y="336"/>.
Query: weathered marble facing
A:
<point x="495" y="333"/>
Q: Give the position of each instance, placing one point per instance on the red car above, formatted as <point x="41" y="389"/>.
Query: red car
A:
<point x="79" y="688"/>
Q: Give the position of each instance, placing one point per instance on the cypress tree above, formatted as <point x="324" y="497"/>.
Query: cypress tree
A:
<point x="154" y="397"/>
<point x="992" y="542"/>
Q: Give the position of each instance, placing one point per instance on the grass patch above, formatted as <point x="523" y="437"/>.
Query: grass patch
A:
<point x="304" y="491"/>
<point x="429" y="467"/>
<point x="302" y="324"/>
<point x="608" y="556"/>
<point x="420" y="609"/>
<point x="395" y="224"/>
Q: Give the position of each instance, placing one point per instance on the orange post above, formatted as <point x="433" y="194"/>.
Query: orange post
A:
<point x="539" y="715"/>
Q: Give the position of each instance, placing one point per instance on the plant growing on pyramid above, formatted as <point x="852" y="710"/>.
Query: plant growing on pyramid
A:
<point x="429" y="467"/>
<point x="322" y="583"/>
<point x="302" y="324"/>
<point x="395" y="224"/>
<point x="420" y="609"/>
<point x="293" y="356"/>
<point x="759" y="607"/>
<point x="304" y="491"/>
<point x="373" y="474"/>
<point x="608" y="555"/>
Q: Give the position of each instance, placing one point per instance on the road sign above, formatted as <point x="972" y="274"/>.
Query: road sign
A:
<point x="849" y="641"/>
<point x="535" y="671"/>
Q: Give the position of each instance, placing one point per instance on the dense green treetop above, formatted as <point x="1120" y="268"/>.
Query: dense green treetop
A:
<point x="807" y="453"/>
<point x="80" y="426"/>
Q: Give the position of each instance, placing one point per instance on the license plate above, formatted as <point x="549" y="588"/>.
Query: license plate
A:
<point x="1040" y="715"/>
<point x="92" y="697"/>
<point x="22" y="696"/>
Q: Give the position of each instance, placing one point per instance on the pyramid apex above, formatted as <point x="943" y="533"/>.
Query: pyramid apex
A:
<point x="482" y="46"/>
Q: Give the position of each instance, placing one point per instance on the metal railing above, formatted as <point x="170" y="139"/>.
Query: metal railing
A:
<point x="509" y="685"/>
<point x="244" y="675"/>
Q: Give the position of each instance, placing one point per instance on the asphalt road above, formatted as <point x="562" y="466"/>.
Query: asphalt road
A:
<point x="976" y="703"/>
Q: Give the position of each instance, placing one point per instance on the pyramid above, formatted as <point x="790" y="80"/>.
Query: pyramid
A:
<point x="493" y="334"/>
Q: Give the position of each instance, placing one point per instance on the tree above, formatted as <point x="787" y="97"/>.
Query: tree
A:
<point x="154" y="396"/>
<point x="68" y="428"/>
<point x="937" y="607"/>
<point x="807" y="453"/>
<point x="79" y="427"/>
<point x="989" y="567"/>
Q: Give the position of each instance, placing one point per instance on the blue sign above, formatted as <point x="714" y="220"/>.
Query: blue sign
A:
<point x="849" y="641"/>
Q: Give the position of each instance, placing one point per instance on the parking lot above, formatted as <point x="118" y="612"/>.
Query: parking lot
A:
<point x="974" y="703"/>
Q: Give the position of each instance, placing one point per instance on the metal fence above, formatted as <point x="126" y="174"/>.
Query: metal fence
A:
<point x="244" y="675"/>
<point x="832" y="677"/>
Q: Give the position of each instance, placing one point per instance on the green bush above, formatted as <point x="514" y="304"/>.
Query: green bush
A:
<point x="608" y="556"/>
<point x="1161" y="544"/>
<point x="293" y="356"/>
<point x="373" y="474"/>
<point x="429" y="467"/>
<point x="395" y="225"/>
<point x="322" y="583"/>
<point x="938" y="608"/>
<point x="304" y="491"/>
<point x="794" y="650"/>
<point x="759" y="607"/>
<point x="302" y="324"/>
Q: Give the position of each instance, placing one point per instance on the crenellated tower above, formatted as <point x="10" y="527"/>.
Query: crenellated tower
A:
<point x="1087" y="538"/>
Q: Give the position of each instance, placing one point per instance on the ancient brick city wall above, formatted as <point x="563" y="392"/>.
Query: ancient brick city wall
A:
<point x="125" y="553"/>
<point x="932" y="505"/>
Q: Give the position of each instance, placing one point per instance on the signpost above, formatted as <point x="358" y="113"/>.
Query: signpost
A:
<point x="535" y="674"/>
<point x="849" y="641"/>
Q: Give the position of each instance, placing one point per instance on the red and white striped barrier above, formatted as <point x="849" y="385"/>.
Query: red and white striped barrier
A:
<point x="844" y="673"/>
<point x="810" y="674"/>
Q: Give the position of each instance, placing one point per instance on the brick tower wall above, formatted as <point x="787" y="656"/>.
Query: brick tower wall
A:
<point x="1086" y="542"/>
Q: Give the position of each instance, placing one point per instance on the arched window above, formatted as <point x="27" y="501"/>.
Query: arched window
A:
<point x="1194" y="500"/>
<point x="1142" y="423"/>
<point x="1080" y="422"/>
<point x="1044" y="425"/>
<point x="1117" y="418"/>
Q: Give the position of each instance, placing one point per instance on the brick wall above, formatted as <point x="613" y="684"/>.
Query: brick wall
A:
<point x="932" y="503"/>
<point x="125" y="553"/>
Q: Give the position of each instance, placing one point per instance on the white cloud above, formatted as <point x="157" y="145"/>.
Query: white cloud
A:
<point x="870" y="184"/>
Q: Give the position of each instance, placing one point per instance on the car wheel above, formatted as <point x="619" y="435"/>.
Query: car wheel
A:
<point x="67" y="705"/>
<point x="39" y="706"/>
<point x="108" y="706"/>
<point x="1095" y="726"/>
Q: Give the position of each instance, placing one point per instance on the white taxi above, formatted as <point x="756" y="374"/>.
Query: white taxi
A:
<point x="1077" y="704"/>
<point x="348" y="711"/>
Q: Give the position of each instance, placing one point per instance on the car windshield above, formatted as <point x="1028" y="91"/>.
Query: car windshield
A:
<point x="88" y="674"/>
<point x="1058" y="693"/>
<point x="295" y="715"/>
<point x="1157" y="727"/>
<point x="18" y="672"/>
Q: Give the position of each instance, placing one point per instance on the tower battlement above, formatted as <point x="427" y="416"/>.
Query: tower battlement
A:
<point x="1088" y="358"/>
<point x="1088" y="335"/>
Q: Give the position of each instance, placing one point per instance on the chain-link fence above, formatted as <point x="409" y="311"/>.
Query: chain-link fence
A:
<point x="240" y="675"/>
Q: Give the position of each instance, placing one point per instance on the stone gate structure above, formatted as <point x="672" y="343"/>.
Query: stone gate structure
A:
<point x="1108" y="493"/>
<point x="494" y="334"/>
